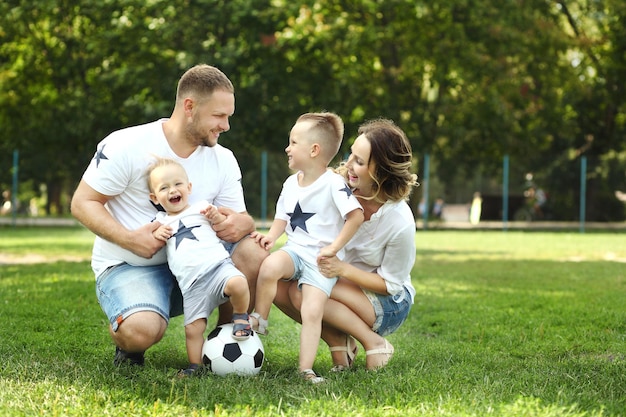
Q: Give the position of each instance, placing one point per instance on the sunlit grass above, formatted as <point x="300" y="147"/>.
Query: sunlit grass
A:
<point x="505" y="324"/>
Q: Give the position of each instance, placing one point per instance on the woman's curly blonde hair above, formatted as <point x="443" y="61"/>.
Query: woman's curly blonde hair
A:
<point x="390" y="161"/>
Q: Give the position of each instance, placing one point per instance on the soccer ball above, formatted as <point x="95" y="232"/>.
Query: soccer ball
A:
<point x="224" y="355"/>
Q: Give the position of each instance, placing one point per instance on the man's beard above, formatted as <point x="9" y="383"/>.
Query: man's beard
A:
<point x="197" y="138"/>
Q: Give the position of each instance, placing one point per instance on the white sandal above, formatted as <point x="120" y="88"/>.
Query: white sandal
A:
<point x="350" y="353"/>
<point x="387" y="350"/>
<point x="310" y="376"/>
<point x="261" y="323"/>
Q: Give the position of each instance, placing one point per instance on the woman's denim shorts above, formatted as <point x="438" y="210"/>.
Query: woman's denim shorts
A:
<point x="389" y="313"/>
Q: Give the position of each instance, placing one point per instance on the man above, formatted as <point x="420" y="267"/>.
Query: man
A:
<point x="134" y="286"/>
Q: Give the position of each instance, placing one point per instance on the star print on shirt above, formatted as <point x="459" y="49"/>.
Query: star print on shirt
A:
<point x="298" y="218"/>
<point x="346" y="190"/>
<point x="183" y="233"/>
<point x="100" y="155"/>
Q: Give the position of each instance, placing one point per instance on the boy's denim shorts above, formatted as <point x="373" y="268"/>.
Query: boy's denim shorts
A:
<point x="389" y="314"/>
<point x="124" y="289"/>
<point x="305" y="273"/>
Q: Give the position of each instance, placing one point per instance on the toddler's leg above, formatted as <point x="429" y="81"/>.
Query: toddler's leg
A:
<point x="194" y="333"/>
<point x="237" y="290"/>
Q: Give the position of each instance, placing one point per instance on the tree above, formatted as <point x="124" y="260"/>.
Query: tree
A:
<point x="468" y="81"/>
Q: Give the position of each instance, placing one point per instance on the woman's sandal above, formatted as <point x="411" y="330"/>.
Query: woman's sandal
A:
<point x="309" y="375"/>
<point x="387" y="350"/>
<point x="261" y="324"/>
<point x="351" y="349"/>
<point x="241" y="331"/>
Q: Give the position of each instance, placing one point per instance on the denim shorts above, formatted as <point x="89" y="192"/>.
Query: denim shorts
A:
<point x="124" y="289"/>
<point x="305" y="273"/>
<point x="389" y="313"/>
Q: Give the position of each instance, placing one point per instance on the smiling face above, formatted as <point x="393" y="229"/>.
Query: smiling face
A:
<point x="170" y="187"/>
<point x="299" y="148"/>
<point x="358" y="165"/>
<point x="206" y="119"/>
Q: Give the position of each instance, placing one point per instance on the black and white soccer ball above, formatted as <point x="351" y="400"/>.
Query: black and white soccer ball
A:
<point x="224" y="355"/>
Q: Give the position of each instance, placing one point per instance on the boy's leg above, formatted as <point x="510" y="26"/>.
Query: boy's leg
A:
<point x="312" y="311"/>
<point x="236" y="289"/>
<point x="194" y="334"/>
<point x="277" y="266"/>
<point x="248" y="256"/>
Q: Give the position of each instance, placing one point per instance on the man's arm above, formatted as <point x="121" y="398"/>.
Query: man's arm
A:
<point x="88" y="208"/>
<point x="235" y="227"/>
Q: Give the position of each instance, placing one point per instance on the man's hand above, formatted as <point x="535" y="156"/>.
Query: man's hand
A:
<point x="163" y="233"/>
<point x="235" y="226"/>
<point x="143" y="242"/>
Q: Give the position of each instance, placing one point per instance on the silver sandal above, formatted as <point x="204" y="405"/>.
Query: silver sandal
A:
<point x="310" y="376"/>
<point x="262" y="324"/>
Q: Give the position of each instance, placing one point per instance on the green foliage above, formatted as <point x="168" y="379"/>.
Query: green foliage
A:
<point x="511" y="324"/>
<point x="469" y="82"/>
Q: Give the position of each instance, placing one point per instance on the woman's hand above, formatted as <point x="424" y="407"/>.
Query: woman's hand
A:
<point x="330" y="267"/>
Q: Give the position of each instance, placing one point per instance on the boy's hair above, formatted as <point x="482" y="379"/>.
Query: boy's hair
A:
<point x="158" y="163"/>
<point x="201" y="81"/>
<point x="326" y="130"/>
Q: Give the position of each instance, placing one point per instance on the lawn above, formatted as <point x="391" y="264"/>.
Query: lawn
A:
<point x="504" y="324"/>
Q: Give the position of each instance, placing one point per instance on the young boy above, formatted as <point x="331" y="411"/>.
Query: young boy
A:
<point x="202" y="266"/>
<point x="322" y="215"/>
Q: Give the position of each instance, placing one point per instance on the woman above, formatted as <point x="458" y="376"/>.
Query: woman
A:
<point x="374" y="294"/>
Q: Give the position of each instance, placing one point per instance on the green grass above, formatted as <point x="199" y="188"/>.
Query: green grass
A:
<point x="505" y="324"/>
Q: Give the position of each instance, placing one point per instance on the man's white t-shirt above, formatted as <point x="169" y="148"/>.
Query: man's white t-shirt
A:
<point x="119" y="167"/>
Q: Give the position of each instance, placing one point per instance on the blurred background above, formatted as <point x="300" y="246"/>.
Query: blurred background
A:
<point x="521" y="98"/>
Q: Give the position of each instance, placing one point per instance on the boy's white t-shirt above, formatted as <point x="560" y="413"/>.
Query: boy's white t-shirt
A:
<point x="194" y="248"/>
<point x="119" y="167"/>
<point x="315" y="214"/>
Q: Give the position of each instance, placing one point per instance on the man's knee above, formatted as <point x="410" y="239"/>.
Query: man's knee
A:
<point x="139" y="331"/>
<point x="248" y="256"/>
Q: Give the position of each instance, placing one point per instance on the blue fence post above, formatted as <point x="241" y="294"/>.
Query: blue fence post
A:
<point x="264" y="187"/>
<point x="583" y="191"/>
<point x="505" y="192"/>
<point x="426" y="190"/>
